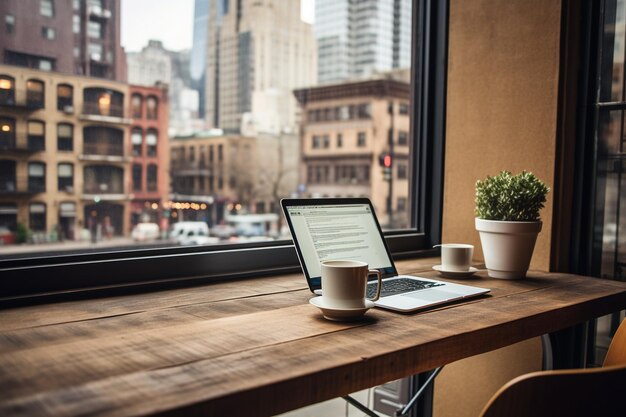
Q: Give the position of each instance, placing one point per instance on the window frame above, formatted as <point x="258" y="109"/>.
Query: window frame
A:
<point x="31" y="280"/>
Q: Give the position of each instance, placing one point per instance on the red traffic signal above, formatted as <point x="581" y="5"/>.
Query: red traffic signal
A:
<point x="385" y="160"/>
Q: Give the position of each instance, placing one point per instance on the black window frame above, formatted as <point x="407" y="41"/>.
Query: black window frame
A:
<point x="33" y="279"/>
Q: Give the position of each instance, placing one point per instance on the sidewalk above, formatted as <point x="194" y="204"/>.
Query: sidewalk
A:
<point x="67" y="245"/>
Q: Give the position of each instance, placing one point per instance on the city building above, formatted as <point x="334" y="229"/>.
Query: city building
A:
<point x="356" y="38"/>
<point x="155" y="65"/>
<point x="214" y="174"/>
<point x="65" y="160"/>
<point x="150" y="154"/>
<point x="355" y="143"/>
<point x="80" y="37"/>
<point x="258" y="53"/>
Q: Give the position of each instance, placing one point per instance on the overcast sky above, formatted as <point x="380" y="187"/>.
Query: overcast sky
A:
<point x="170" y="21"/>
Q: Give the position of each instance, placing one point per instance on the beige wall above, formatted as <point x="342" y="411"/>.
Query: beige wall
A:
<point x="502" y="105"/>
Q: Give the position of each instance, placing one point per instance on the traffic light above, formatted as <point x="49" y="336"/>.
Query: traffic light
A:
<point x="385" y="161"/>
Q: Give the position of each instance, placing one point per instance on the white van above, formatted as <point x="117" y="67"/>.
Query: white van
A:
<point x="192" y="233"/>
<point x="145" y="232"/>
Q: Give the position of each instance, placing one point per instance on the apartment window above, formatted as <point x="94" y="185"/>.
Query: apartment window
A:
<point x="220" y="153"/>
<point x="403" y="138"/>
<point x="8" y="178"/>
<point x="135" y="104"/>
<point x="65" y="98"/>
<point x="152" y="177"/>
<point x="48" y="33"/>
<point x="360" y="140"/>
<point x="151" y="142"/>
<point x="136" y="138"/>
<point x="37" y="217"/>
<point x="94" y="29"/>
<point x="7" y="90"/>
<point x="9" y="21"/>
<point x="401" y="204"/>
<point x="137" y="177"/>
<point x="76" y="24"/>
<point x="76" y="4"/>
<point x="404" y="108"/>
<point x="7" y="133"/>
<point x="65" y="137"/>
<point x="402" y="172"/>
<point x="46" y="8"/>
<point x="36" y="177"/>
<point x="65" y="173"/>
<point x="211" y="154"/>
<point x="339" y="140"/>
<point x="151" y="108"/>
<point x="326" y="141"/>
<point x="95" y="51"/>
<point x="35" y="96"/>
<point x="36" y="135"/>
<point x="316" y="142"/>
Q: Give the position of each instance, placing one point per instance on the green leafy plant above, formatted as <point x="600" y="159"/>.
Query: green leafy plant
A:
<point x="22" y="233"/>
<point x="510" y="197"/>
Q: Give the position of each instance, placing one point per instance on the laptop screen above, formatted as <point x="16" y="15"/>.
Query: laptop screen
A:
<point x="336" y="230"/>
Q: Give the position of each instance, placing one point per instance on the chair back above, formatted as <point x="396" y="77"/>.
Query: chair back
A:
<point x="616" y="354"/>
<point x="579" y="392"/>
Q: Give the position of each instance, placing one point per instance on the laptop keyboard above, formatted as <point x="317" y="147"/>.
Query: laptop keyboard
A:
<point x="400" y="285"/>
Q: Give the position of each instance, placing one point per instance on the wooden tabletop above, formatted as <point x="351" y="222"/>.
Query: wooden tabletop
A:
<point x="257" y="347"/>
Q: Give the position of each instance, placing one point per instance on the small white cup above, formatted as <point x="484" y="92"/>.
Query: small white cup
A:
<point x="344" y="283"/>
<point x="456" y="257"/>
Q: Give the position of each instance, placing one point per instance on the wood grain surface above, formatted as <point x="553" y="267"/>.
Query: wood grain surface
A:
<point x="257" y="347"/>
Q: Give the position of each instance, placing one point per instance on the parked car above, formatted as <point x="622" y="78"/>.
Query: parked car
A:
<point x="145" y="232"/>
<point x="192" y="233"/>
<point x="6" y="236"/>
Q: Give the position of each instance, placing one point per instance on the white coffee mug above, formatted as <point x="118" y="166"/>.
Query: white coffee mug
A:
<point x="456" y="257"/>
<point x="344" y="283"/>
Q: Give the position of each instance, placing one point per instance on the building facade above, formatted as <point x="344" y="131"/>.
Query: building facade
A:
<point x="347" y="131"/>
<point x="79" y="37"/>
<point x="357" y="38"/>
<point x="258" y="53"/>
<point x="65" y="160"/>
<point x="150" y="153"/>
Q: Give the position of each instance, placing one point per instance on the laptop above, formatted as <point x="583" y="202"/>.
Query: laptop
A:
<point x="347" y="228"/>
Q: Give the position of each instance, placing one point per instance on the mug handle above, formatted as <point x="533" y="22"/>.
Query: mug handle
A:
<point x="380" y="283"/>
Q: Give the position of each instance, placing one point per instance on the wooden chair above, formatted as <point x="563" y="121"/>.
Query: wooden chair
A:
<point x="574" y="392"/>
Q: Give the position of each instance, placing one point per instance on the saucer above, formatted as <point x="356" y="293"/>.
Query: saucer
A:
<point x="340" y="314"/>
<point x="455" y="274"/>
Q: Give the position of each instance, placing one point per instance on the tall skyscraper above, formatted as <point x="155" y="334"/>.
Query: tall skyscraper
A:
<point x="44" y="40"/>
<point x="257" y="55"/>
<point x="357" y="38"/>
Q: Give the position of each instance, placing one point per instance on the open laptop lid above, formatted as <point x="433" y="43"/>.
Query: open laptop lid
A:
<point x="336" y="228"/>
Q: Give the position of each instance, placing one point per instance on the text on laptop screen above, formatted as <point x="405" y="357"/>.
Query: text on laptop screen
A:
<point x="329" y="232"/>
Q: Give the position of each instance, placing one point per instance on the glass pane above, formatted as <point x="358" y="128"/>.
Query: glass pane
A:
<point x="614" y="40"/>
<point x="35" y="128"/>
<point x="65" y="170"/>
<point x="240" y="104"/>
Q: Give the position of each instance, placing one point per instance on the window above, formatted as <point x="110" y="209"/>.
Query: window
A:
<point x="360" y="139"/>
<point x="7" y="133"/>
<point x="46" y="8"/>
<point x="65" y="98"/>
<point x="402" y="172"/>
<point x="404" y="108"/>
<point x="37" y="217"/>
<point x="102" y="171"/>
<point x="48" y="33"/>
<point x="36" y="177"/>
<point x="151" y="143"/>
<point x="76" y="24"/>
<point x="135" y="103"/>
<point x="152" y="177"/>
<point x="65" y="137"/>
<point x="35" y="95"/>
<point x="136" y="138"/>
<point x="8" y="177"/>
<point x="9" y="21"/>
<point x="7" y="90"/>
<point x="137" y="177"/>
<point x="402" y="138"/>
<point x="95" y="51"/>
<point x="36" y="135"/>
<point x="66" y="177"/>
<point x="151" y="108"/>
<point x="94" y="29"/>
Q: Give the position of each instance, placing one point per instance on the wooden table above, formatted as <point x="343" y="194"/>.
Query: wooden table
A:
<point x="256" y="347"/>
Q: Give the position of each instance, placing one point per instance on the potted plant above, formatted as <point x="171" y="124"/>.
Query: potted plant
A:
<point x="508" y="221"/>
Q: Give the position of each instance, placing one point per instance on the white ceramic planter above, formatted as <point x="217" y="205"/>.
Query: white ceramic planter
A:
<point x="507" y="246"/>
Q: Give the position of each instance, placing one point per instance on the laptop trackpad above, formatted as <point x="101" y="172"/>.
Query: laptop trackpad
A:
<point x="434" y="295"/>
